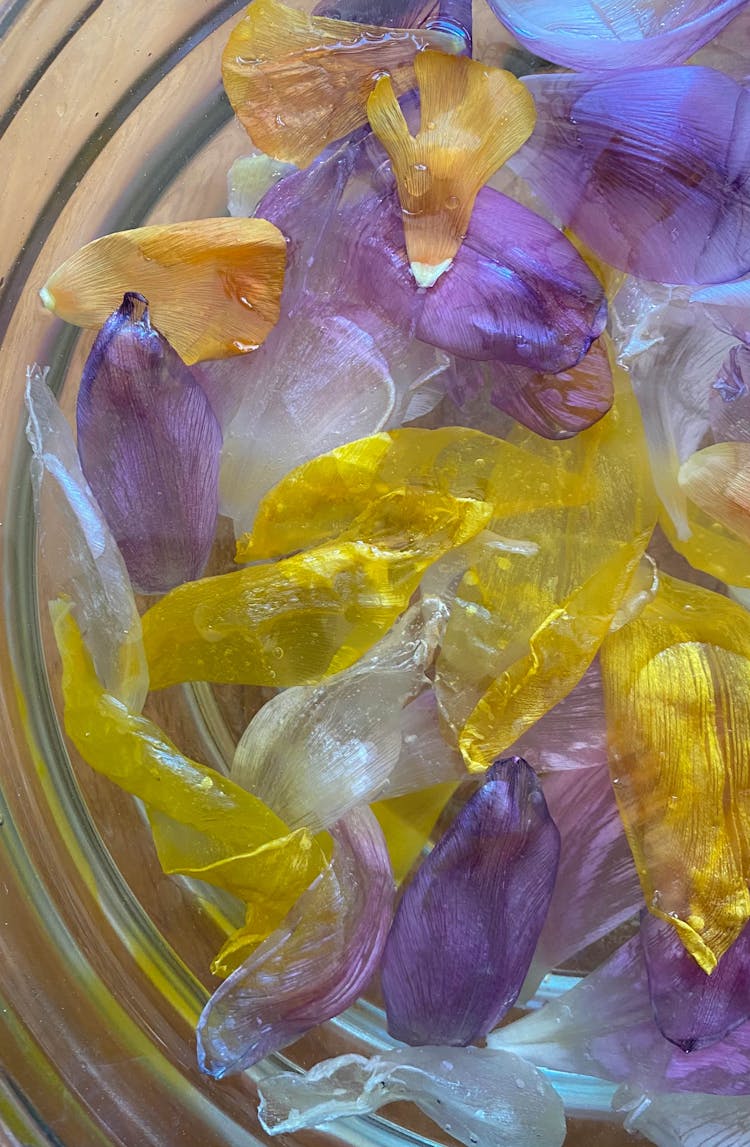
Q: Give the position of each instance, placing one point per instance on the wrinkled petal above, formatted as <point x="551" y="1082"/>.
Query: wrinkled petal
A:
<point x="82" y="555"/>
<point x="650" y="168"/>
<point x="729" y="400"/>
<point x="213" y="285"/>
<point x="149" y="445"/>
<point x="730" y="51"/>
<point x="465" y="930"/>
<point x="685" y="1120"/>
<point x="677" y="695"/>
<point x="313" y="753"/>
<point x="427" y="755"/>
<point x="478" y="1096"/>
<point x="717" y="479"/>
<point x="607" y="34"/>
<point x="249" y="178"/>
<point x="315" y="965"/>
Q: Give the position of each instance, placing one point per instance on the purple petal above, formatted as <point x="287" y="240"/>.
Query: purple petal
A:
<point x="573" y="734"/>
<point x="606" y="34"/>
<point x="692" y="1009"/>
<point x="149" y="446"/>
<point x="315" y="965"/>
<point x="649" y="168"/>
<point x="466" y="928"/>
<point x="384" y="13"/>
<point x="728" y="307"/>
<point x="729" y="398"/>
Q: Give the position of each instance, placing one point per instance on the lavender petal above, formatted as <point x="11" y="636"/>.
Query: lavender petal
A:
<point x="728" y="307"/>
<point x="729" y="398"/>
<point x="465" y="931"/>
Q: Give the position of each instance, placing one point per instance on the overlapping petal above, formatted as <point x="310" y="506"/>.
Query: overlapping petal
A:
<point x="394" y="13"/>
<point x="729" y="400"/>
<point x="685" y="1120"/>
<point x="717" y="479"/>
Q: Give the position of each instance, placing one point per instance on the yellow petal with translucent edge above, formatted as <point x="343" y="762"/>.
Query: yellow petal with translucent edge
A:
<point x="677" y="696"/>
<point x="717" y="481"/>
<point x="204" y="825"/>
<point x="711" y="547"/>
<point x="313" y="614"/>
<point x="473" y="118"/>
<point x="299" y="82"/>
<point x="213" y="286"/>
<point x="407" y="823"/>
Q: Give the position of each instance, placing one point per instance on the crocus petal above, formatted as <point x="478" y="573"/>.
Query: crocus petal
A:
<point x="694" y="1010"/>
<point x="729" y="400"/>
<point x="685" y="1120"/>
<point x="314" y="753"/>
<point x="477" y="1095"/>
<point x="298" y="82"/>
<point x="315" y="965"/>
<point x="650" y="168"/>
<point x="473" y="117"/>
<point x="85" y="559"/>
<point x="611" y="35"/>
<point x="718" y="480"/>
<point x="728" y="306"/>
<point x="677" y="694"/>
<point x="467" y="925"/>
<point x="213" y="285"/>
<point x="149" y="445"/>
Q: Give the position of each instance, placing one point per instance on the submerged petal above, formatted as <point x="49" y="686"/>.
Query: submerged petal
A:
<point x="729" y="400"/>
<point x="717" y="479"/>
<point x="393" y="13"/>
<point x="685" y="1120"/>
<point x="573" y="734"/>
<point x="728" y="306"/>
<point x="213" y="285"/>
<point x="465" y="930"/>
<point x="315" y="965"/>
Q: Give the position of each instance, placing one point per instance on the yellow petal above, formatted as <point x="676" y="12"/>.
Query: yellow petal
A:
<point x="213" y="285"/>
<point x="473" y="118"/>
<point x="299" y="82"/>
<point x="677" y="693"/>
<point x="710" y="546"/>
<point x="407" y="823"/>
<point x="718" y="480"/>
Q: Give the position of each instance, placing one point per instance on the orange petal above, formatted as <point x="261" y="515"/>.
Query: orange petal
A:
<point x="473" y="119"/>
<point x="718" y="480"/>
<point x="213" y="286"/>
<point x="299" y="82"/>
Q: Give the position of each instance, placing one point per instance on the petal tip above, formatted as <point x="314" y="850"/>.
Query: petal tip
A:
<point x="427" y="274"/>
<point x="48" y="299"/>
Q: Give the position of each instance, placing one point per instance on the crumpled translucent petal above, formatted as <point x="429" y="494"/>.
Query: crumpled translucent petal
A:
<point x="477" y="1095"/>
<point x="685" y="1120"/>
<point x="427" y="754"/>
<point x="313" y="753"/>
<point x="573" y="734"/>
<point x="315" y="965"/>
<point x="213" y="285"/>
<point x="677" y="695"/>
<point x="82" y="555"/>
<point x="149" y="446"/>
<point x="728" y="306"/>
<point x="717" y="479"/>
<point x="473" y="117"/>
<point x="644" y="165"/>
<point x="729" y="399"/>
<point x="604" y="35"/>
<point x="467" y="924"/>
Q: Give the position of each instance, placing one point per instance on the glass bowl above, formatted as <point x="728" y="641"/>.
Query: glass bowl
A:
<point x="112" y="115"/>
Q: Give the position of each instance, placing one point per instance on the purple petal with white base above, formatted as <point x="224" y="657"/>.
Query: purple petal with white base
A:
<point x="149" y="446"/>
<point x="315" y="965"/>
<point x="465" y="930"/>
<point x="650" y="168"/>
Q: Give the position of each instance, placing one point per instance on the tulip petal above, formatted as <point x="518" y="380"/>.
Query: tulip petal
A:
<point x="465" y="930"/>
<point x="644" y="166"/>
<point x="476" y="1095"/>
<point x="606" y="34"/>
<point x="149" y="446"/>
<point x="427" y="756"/>
<point x="686" y="1120"/>
<point x="213" y="285"/>
<point x="717" y="479"/>
<point x="408" y="822"/>
<point x="315" y="965"/>
<point x="83" y="555"/>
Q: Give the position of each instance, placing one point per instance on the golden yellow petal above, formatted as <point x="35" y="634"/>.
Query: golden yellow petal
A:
<point x="473" y="118"/>
<point x="407" y="823"/>
<point x="213" y="285"/>
<point x="718" y="480"/>
<point x="298" y="82"/>
<point x="677" y="694"/>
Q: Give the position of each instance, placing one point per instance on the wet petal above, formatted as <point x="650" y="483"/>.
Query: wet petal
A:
<point x="573" y="734"/>
<point x="477" y="1095"/>
<point x="427" y="753"/>
<point x="149" y="445"/>
<point x="686" y="1120"/>
<point x="643" y="166"/>
<point x="393" y="13"/>
<point x="677" y="684"/>
<point x="717" y="479"/>
<point x="315" y="965"/>
<point x="612" y="35"/>
<point x="473" y="117"/>
<point x="465" y="930"/>
<point x="249" y="179"/>
<point x="728" y="306"/>
<point x="213" y="285"/>
<point x="82" y="555"/>
<point x="729" y="400"/>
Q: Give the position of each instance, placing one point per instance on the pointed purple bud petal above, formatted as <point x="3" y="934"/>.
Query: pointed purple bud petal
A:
<point x="315" y="965"/>
<point x="603" y="35"/>
<point x="149" y="446"/>
<point x="646" y="165"/>
<point x="729" y="398"/>
<point x="467" y="925"/>
<point x="692" y="1009"/>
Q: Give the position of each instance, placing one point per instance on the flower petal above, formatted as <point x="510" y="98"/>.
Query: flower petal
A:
<point x="149" y="446"/>
<point x="729" y="400"/>
<point x="315" y="965"/>
<point x="467" y="925"/>
<point x="728" y="306"/>
<point x="644" y="166"/>
<point x="213" y="285"/>
<point x="573" y="734"/>
<point x="392" y="13"/>
<point x="686" y="1120"/>
<point x="249" y="178"/>
<point x="718" y="480"/>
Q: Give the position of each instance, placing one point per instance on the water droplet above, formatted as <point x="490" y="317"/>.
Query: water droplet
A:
<point x="420" y="167"/>
<point x="521" y="1084"/>
<point x="452" y="202"/>
<point x="280" y="121"/>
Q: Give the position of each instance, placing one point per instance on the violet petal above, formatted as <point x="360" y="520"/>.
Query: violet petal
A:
<point x="315" y="965"/>
<point x="650" y="168"/>
<point x="149" y="447"/>
<point x="466" y="928"/>
<point x="729" y="398"/>
<point x="728" y="307"/>
<point x="573" y="734"/>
